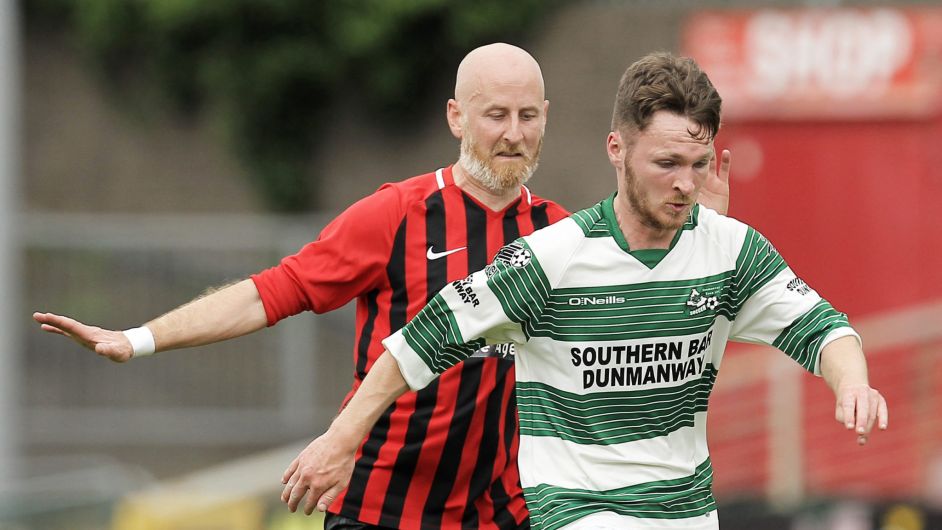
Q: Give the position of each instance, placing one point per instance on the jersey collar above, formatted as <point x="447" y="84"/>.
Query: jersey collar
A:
<point x="444" y="177"/>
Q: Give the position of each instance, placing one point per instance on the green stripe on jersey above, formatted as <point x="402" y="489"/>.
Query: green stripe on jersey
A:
<point x="628" y="312"/>
<point x="757" y="264"/>
<point x="608" y="418"/>
<point x="802" y="339"/>
<point x="591" y="223"/>
<point x="521" y="290"/>
<point x="553" y="507"/>
<point x="438" y="321"/>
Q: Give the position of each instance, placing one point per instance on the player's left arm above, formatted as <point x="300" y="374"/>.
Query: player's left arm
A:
<point x="858" y="405"/>
<point x="715" y="191"/>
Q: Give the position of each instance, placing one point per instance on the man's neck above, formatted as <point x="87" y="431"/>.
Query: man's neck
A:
<point x="494" y="201"/>
<point x="638" y="235"/>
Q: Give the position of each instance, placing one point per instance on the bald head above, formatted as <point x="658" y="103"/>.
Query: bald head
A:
<point x="500" y="64"/>
<point x="498" y="113"/>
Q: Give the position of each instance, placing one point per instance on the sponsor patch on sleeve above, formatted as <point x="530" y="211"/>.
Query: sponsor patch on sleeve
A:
<point x="514" y="255"/>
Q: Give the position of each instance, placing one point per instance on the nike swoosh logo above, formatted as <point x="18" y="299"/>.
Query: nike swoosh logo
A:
<point x="432" y="255"/>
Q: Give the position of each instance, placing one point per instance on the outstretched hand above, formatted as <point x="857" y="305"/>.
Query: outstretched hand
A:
<point x="322" y="471"/>
<point x="108" y="343"/>
<point x="715" y="191"/>
<point x="859" y="407"/>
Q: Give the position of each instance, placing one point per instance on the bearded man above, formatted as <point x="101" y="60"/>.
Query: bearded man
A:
<point x="444" y="457"/>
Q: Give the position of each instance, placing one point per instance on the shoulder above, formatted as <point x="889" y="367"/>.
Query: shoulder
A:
<point x="393" y="199"/>
<point x="554" y="246"/>
<point x="554" y="211"/>
<point x="591" y="220"/>
<point x="726" y="231"/>
<point x="384" y="209"/>
<point x="410" y="190"/>
<point x="740" y="241"/>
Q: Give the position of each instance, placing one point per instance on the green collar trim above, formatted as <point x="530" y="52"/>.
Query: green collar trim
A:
<point x="650" y="257"/>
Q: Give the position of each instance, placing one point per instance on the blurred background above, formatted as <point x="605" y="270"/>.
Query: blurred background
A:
<point x="150" y="149"/>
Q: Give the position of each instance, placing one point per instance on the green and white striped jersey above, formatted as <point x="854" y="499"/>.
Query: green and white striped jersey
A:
<point x="617" y="352"/>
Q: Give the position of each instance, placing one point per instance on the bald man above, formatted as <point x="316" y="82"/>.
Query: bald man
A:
<point x="444" y="457"/>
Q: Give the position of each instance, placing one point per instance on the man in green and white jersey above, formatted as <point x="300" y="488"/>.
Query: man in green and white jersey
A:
<point x="620" y="316"/>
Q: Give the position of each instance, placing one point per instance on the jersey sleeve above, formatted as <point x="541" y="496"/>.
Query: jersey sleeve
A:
<point x="348" y="258"/>
<point x="494" y="305"/>
<point x="777" y="308"/>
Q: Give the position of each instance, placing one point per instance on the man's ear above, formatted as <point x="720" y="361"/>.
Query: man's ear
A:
<point x="453" y="114"/>
<point x="615" y="147"/>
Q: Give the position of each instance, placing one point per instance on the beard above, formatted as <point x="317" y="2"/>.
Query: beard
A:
<point x="647" y="214"/>
<point x="498" y="178"/>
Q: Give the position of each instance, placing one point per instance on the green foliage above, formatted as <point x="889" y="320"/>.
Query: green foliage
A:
<point x="269" y="70"/>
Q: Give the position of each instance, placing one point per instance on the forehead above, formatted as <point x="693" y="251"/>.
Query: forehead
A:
<point x="669" y="133"/>
<point x="512" y="89"/>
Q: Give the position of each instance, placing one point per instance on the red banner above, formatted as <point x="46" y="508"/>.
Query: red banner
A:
<point x="840" y="63"/>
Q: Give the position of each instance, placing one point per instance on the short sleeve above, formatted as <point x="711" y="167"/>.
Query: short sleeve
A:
<point x="347" y="259"/>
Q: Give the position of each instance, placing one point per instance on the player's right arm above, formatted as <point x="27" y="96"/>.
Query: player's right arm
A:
<point x="346" y="260"/>
<point x="229" y="312"/>
<point x="323" y="469"/>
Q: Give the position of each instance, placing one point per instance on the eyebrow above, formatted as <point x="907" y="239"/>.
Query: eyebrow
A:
<point x="674" y="155"/>
<point x="495" y="106"/>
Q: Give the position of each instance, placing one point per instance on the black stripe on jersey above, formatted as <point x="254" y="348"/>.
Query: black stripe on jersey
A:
<point x="539" y="216"/>
<point x="502" y="517"/>
<point x="353" y="501"/>
<point x="366" y="334"/>
<point x="408" y="457"/>
<point x="511" y="228"/>
<point x="510" y="421"/>
<point x="476" y="221"/>
<point x="435" y="224"/>
<point x="399" y="301"/>
<point x="483" y="472"/>
<point x="452" y="450"/>
<point x="396" y="273"/>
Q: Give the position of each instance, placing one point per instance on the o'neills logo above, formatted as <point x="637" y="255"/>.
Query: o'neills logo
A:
<point x="596" y="300"/>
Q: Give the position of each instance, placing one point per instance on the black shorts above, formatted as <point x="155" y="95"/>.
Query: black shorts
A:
<point x="333" y="521"/>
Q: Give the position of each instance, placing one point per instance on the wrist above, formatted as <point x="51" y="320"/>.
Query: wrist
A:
<point x="346" y="436"/>
<point x="142" y="341"/>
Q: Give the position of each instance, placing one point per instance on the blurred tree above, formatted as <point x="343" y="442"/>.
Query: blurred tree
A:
<point x="269" y="70"/>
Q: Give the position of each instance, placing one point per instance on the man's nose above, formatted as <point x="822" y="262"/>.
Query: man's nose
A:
<point x="513" y="133"/>
<point x="686" y="181"/>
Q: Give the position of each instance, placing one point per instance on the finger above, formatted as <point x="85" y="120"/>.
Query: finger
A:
<point x="862" y="439"/>
<point x="292" y="467"/>
<point x="725" y="163"/>
<point x="847" y="411"/>
<point x="61" y="322"/>
<point x="712" y="167"/>
<point x="328" y="498"/>
<point x="883" y="414"/>
<point x="295" y="495"/>
<point x="43" y="318"/>
<point x="289" y="485"/>
<point x="863" y="414"/>
<point x="873" y="410"/>
<point x="53" y="329"/>
<point x="311" y="502"/>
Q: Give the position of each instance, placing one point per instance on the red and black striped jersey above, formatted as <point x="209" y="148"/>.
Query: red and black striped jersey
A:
<point x="444" y="457"/>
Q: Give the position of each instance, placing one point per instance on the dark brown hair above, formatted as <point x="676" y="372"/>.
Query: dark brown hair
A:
<point x="662" y="81"/>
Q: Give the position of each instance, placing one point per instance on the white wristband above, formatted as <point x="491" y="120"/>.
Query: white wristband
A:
<point x="142" y="341"/>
